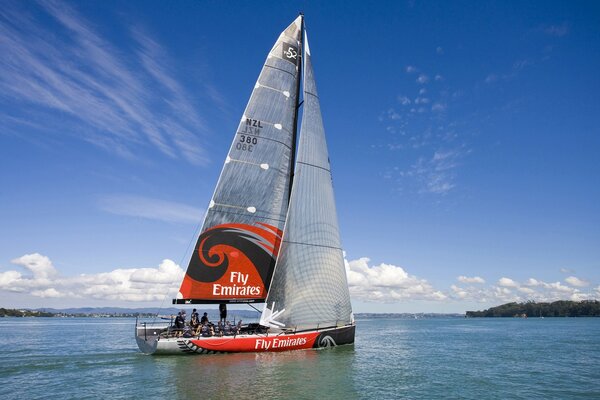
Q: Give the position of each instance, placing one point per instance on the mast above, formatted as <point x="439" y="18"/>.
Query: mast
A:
<point x="295" y="133"/>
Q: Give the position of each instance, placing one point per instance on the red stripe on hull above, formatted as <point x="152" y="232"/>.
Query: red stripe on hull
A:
<point x="241" y="344"/>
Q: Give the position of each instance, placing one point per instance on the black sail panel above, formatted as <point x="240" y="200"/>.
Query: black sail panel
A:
<point x="235" y="254"/>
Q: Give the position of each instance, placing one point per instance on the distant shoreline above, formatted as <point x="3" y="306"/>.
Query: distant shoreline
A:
<point x="108" y="312"/>
<point x="531" y="309"/>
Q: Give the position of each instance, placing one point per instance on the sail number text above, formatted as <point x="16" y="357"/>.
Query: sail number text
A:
<point x="247" y="142"/>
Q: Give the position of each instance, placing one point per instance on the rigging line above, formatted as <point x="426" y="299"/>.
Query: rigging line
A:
<point x="255" y="309"/>
<point x="311" y="244"/>
<point x="313" y="165"/>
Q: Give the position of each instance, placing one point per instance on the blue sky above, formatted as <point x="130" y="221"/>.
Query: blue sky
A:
<point x="463" y="138"/>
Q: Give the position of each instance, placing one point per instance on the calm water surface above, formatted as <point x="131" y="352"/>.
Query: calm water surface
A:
<point x="77" y="358"/>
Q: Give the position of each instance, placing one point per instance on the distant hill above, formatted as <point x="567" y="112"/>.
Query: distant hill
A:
<point x="213" y="314"/>
<point x="121" y="311"/>
<point x="4" y="312"/>
<point x="562" y="308"/>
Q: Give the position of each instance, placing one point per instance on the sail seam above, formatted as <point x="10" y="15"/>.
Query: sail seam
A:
<point x="257" y="212"/>
<point x="260" y="85"/>
<point x="311" y="244"/>
<point x="280" y="69"/>
<point x="248" y="162"/>
<point x="313" y="165"/>
<point x="312" y="94"/>
<point x="244" y="117"/>
<point x="288" y="37"/>
<point x="268" y="138"/>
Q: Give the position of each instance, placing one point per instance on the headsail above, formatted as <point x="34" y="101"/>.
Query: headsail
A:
<point x="309" y="287"/>
<point x="235" y="254"/>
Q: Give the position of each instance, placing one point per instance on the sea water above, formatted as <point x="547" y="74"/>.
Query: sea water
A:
<point x="78" y="358"/>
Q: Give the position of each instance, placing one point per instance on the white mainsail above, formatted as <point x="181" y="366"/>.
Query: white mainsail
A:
<point x="309" y="287"/>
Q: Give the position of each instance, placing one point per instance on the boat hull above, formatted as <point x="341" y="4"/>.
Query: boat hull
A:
<point x="248" y="343"/>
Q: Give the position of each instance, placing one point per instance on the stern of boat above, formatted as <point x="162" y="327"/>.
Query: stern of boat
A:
<point x="147" y="335"/>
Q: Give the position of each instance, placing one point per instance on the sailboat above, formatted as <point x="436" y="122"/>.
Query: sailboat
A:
<point x="270" y="234"/>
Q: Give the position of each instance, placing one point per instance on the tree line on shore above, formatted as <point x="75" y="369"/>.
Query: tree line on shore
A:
<point x="8" y="312"/>
<point x="561" y="308"/>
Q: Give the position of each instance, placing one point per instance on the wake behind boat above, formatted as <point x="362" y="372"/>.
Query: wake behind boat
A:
<point x="270" y="233"/>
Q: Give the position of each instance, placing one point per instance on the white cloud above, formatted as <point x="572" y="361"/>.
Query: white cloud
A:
<point x="422" y="79"/>
<point x="491" y="78"/>
<point x="438" y="107"/>
<point x="386" y="283"/>
<point x="404" y="100"/>
<point x="39" y="265"/>
<point x="435" y="175"/>
<point x="474" y="279"/>
<point x="507" y="282"/>
<point x="439" y="77"/>
<point x="124" y="284"/>
<point x="410" y="69"/>
<point x="83" y="85"/>
<point x="574" y="281"/>
<point x="379" y="283"/>
<point x="144" y="207"/>
<point x="557" y="30"/>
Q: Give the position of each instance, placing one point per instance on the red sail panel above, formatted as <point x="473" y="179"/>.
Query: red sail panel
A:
<point x="231" y="263"/>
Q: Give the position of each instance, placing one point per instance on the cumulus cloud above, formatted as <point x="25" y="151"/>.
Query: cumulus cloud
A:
<point x="123" y="284"/>
<point x="507" y="282"/>
<point x="508" y="290"/>
<point x="39" y="265"/>
<point x="474" y="279"/>
<point x="386" y="283"/>
<point x="410" y="69"/>
<point x="574" y="281"/>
